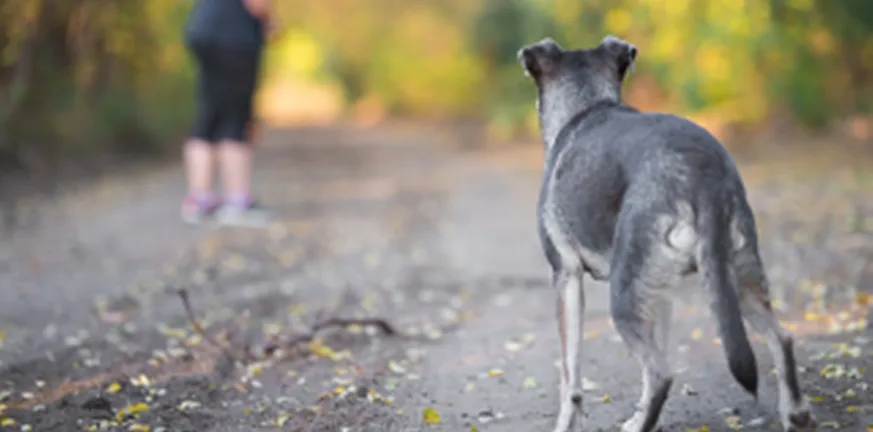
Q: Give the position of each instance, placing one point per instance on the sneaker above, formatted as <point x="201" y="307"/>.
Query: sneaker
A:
<point x="252" y="215"/>
<point x="195" y="212"/>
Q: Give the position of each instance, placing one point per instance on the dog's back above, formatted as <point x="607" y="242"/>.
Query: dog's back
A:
<point x="613" y="159"/>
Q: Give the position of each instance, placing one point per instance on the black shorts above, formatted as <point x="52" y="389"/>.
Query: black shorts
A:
<point x="227" y="80"/>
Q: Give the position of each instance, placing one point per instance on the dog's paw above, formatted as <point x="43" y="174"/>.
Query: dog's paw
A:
<point x="576" y="398"/>
<point x="571" y="406"/>
<point x="636" y="423"/>
<point x="800" y="420"/>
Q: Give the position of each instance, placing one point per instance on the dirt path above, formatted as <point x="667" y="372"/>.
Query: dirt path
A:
<point x="93" y="335"/>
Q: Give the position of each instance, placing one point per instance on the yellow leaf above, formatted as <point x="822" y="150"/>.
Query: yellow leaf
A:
<point x="282" y="419"/>
<point x="6" y="421"/>
<point x="474" y="428"/>
<point x="138" y="408"/>
<point x="495" y="372"/>
<point x="732" y="422"/>
<point x="115" y="387"/>
<point x="606" y="398"/>
<point x="431" y="416"/>
<point x="139" y="428"/>
<point x="696" y="334"/>
<point x="131" y="410"/>
<point x="318" y="348"/>
<point x="530" y="382"/>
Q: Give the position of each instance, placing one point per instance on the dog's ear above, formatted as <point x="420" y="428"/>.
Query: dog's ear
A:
<point x="540" y="59"/>
<point x="623" y="53"/>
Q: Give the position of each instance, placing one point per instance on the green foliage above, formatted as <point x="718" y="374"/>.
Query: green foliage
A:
<point x="93" y="75"/>
<point x="741" y="60"/>
<point x="98" y="74"/>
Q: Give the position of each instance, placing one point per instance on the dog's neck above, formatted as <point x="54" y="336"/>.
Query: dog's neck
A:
<point x="556" y="108"/>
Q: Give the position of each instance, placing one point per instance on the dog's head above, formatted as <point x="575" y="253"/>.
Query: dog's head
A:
<point x="607" y="64"/>
<point x="571" y="80"/>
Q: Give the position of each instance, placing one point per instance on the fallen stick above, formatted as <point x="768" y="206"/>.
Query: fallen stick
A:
<point x="192" y="319"/>
<point x="288" y="344"/>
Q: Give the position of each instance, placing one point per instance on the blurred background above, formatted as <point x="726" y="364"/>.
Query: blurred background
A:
<point x="95" y="77"/>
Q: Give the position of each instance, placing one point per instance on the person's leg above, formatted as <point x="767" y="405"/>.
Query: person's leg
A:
<point x="236" y="171"/>
<point x="198" y="150"/>
<point x="235" y="150"/>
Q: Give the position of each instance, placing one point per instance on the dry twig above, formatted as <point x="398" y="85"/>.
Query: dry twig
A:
<point x="289" y="344"/>
<point x="226" y="348"/>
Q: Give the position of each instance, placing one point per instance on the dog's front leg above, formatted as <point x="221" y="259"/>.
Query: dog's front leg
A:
<point x="571" y="308"/>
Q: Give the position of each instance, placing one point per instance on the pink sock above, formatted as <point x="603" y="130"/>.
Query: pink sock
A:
<point x="238" y="200"/>
<point x="204" y="199"/>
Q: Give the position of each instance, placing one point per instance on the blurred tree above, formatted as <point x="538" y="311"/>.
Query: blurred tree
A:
<point x="499" y="30"/>
<point x="91" y="75"/>
<point x="96" y="75"/>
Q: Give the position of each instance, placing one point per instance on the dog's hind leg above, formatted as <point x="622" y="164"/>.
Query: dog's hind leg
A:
<point x="642" y="336"/>
<point x="794" y="410"/>
<point x="571" y="308"/>
<point x="640" y="312"/>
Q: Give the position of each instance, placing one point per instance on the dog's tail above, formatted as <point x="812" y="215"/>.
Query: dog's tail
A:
<point x="720" y="282"/>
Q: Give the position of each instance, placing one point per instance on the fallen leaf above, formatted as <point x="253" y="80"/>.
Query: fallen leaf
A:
<point x="606" y="399"/>
<point x="530" y="382"/>
<point x="318" y="348"/>
<point x="688" y="391"/>
<point x="757" y="422"/>
<point x="188" y="404"/>
<point x="131" y="410"/>
<point x="495" y="372"/>
<point x="396" y="367"/>
<point x="282" y="419"/>
<point x="115" y="387"/>
<point x="588" y="385"/>
<point x="512" y="346"/>
<point x="137" y="427"/>
<point x="7" y="421"/>
<point x="431" y="416"/>
<point x="696" y="334"/>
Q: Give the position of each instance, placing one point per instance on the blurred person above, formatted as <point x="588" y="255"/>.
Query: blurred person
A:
<point x="226" y="39"/>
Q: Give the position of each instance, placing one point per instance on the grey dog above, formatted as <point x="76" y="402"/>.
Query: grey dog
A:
<point x="641" y="200"/>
